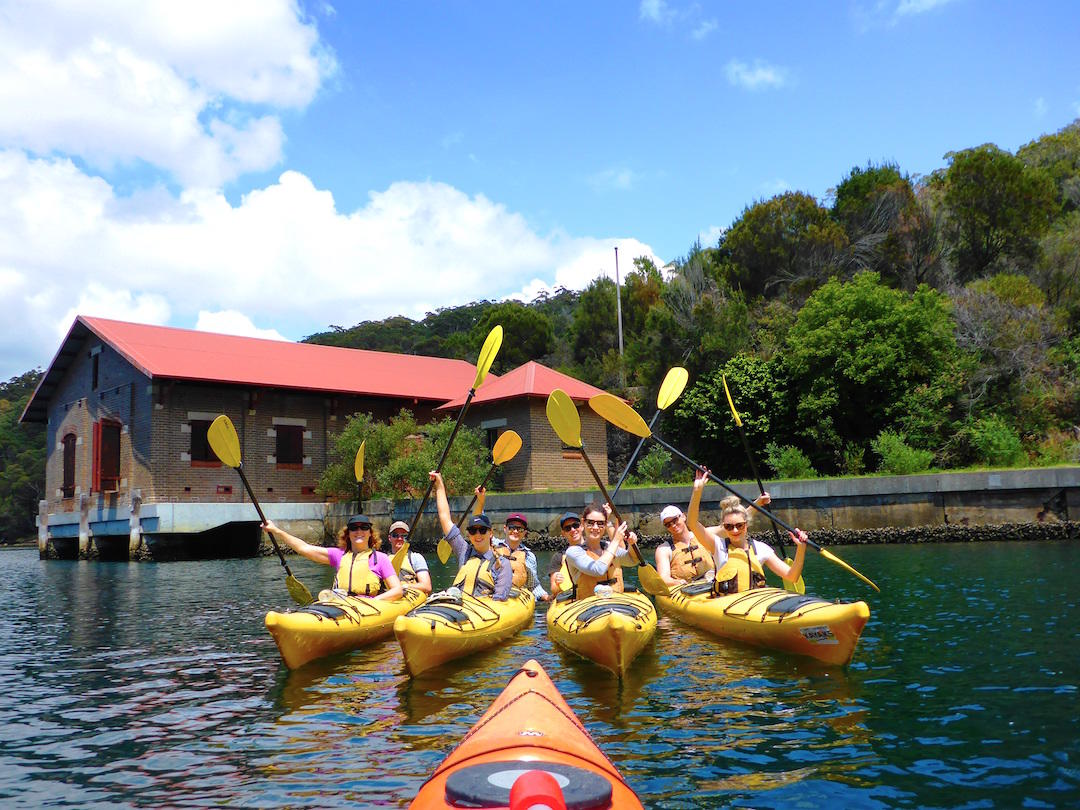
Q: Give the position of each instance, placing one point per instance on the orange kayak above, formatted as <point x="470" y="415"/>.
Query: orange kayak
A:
<point x="528" y="750"/>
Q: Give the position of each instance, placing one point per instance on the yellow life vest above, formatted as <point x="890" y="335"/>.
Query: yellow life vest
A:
<point x="586" y="584"/>
<point x="689" y="560"/>
<point x="407" y="575"/>
<point x="475" y="577"/>
<point x="742" y="572"/>
<point x="517" y="563"/>
<point x="355" y="577"/>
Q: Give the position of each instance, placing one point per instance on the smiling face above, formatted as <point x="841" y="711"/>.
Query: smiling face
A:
<point x="571" y="532"/>
<point x="397" y="538"/>
<point x="734" y="525"/>
<point x="595" y="527"/>
<point x="359" y="536"/>
<point x="515" y="533"/>
<point x="480" y="537"/>
<point x="675" y="526"/>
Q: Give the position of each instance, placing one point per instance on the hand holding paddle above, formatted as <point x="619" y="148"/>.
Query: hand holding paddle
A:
<point x="798" y="586"/>
<point x="564" y="419"/>
<point x="506" y="447"/>
<point x="618" y="413"/>
<point x="226" y="446"/>
<point x="483" y="365"/>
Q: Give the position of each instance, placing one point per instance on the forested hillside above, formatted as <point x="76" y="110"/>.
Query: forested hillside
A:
<point x="905" y="322"/>
<point x="902" y="323"/>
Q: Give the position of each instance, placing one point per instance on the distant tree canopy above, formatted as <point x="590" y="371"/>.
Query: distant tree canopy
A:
<point x="937" y="314"/>
<point x="22" y="460"/>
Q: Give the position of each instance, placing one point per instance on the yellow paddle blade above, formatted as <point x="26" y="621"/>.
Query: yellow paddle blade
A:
<point x="833" y="558"/>
<point x="298" y="591"/>
<point x="444" y="550"/>
<point x="620" y="414"/>
<point x="506" y="447"/>
<point x="223" y="441"/>
<point x="487" y="354"/>
<point x="798" y="586"/>
<point x="651" y="582"/>
<point x="673" y="385"/>
<point x="358" y="464"/>
<point x="564" y="419"/>
<point x="399" y="557"/>
<point x="731" y="404"/>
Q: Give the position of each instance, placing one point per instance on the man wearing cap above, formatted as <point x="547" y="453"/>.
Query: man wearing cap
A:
<point x="680" y="558"/>
<point x="414" y="568"/>
<point x="480" y="572"/>
<point x="521" y="557"/>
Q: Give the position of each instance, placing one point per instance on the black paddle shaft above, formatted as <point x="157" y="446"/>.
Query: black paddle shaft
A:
<point x="614" y="509"/>
<point x="633" y="457"/>
<point x="262" y="517"/>
<point x="760" y="486"/>
<point x="442" y="459"/>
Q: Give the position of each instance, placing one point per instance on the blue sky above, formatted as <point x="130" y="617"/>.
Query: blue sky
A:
<point x="270" y="168"/>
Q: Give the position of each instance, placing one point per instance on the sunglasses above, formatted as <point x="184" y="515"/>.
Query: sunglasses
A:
<point x="360" y="527"/>
<point x="514" y="527"/>
<point x="589" y="522"/>
<point x="734" y="527"/>
<point x="569" y="527"/>
<point x="397" y="535"/>
<point x="473" y="530"/>
<point x="669" y="523"/>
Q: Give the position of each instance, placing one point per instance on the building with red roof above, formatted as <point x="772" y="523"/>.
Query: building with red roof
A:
<point x="127" y="407"/>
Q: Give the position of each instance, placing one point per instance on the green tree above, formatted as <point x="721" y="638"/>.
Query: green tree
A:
<point x="996" y="207"/>
<point x="1059" y="155"/>
<point x="854" y="355"/>
<point x="527" y="334"/>
<point x="22" y="460"/>
<point x="398" y="455"/>
<point x="786" y="244"/>
<point x="594" y="332"/>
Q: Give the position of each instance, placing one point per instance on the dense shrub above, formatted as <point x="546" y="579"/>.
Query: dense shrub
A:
<point x="897" y="458"/>
<point x="996" y="442"/>
<point x="788" y="461"/>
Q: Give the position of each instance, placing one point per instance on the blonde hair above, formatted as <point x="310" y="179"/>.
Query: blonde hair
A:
<point x="374" y="540"/>
<point x="733" y="504"/>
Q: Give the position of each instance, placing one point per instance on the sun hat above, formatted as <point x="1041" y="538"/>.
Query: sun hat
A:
<point x="520" y="518"/>
<point x="399" y="524"/>
<point x="569" y="516"/>
<point x="669" y="512"/>
<point x="358" y="519"/>
<point x="480" y="520"/>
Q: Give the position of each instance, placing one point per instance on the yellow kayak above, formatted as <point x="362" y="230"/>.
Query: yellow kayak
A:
<point x="448" y="627"/>
<point x="610" y="630"/>
<point x="336" y="624"/>
<point x="773" y="618"/>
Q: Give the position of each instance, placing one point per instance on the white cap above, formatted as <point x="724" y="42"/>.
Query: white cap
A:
<point x="669" y="512"/>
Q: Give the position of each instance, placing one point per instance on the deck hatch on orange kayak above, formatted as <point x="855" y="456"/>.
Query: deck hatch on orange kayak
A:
<point x="489" y="784"/>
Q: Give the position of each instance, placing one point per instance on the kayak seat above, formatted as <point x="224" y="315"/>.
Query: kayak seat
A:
<point x="596" y="611"/>
<point x="448" y="612"/>
<point x="488" y="785"/>
<point x="792" y="603"/>
<point x="696" y="588"/>
<point x="326" y="611"/>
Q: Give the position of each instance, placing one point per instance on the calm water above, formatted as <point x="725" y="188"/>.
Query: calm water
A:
<point x="156" y="684"/>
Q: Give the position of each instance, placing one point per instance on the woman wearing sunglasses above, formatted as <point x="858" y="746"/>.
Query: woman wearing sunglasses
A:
<point x="739" y="560"/>
<point x="590" y="559"/>
<point x="480" y="573"/>
<point x="361" y="569"/>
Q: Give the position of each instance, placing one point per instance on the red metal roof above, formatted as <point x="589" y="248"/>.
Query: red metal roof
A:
<point x="163" y="352"/>
<point x="530" y="380"/>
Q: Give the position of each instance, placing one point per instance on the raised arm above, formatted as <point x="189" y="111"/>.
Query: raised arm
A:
<point x="446" y="520"/>
<point x="693" y="510"/>
<point x="318" y="554"/>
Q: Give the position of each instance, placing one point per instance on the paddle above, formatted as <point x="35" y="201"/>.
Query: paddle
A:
<point x="670" y="389"/>
<point x="226" y="446"/>
<point x="358" y="471"/>
<point x="798" y="586"/>
<point x="563" y="416"/>
<point x="506" y="447"/>
<point x="483" y="364"/>
<point x="621" y="415"/>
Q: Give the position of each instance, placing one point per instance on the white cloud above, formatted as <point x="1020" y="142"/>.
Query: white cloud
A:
<point x="655" y="11"/>
<point x="710" y="237"/>
<point x="775" y="186"/>
<point x="172" y="85"/>
<point x="284" y="257"/>
<point x="613" y="179"/>
<point x="753" y="77"/>
<point x="705" y="28"/>
<point x="231" y="322"/>
<point x="1040" y="107"/>
<point x="908" y="7"/>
